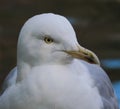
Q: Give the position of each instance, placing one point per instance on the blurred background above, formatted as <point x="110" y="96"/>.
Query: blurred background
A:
<point x="96" y="22"/>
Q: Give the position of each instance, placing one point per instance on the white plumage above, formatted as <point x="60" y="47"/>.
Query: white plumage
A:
<point x="51" y="71"/>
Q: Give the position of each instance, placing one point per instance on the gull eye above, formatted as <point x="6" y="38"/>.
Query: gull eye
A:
<point x="48" y="40"/>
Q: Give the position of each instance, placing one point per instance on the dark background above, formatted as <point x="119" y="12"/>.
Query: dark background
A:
<point x="96" y="22"/>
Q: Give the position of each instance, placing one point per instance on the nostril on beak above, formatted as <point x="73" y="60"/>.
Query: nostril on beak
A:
<point x="85" y="54"/>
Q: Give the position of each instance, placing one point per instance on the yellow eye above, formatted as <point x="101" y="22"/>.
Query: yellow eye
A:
<point x="48" y="40"/>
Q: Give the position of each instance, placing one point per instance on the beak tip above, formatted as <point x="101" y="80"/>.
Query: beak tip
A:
<point x="92" y="58"/>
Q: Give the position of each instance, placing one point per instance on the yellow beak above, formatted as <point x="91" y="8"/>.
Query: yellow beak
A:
<point x="84" y="54"/>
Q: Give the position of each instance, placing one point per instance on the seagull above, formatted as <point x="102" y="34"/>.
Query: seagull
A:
<point x="54" y="71"/>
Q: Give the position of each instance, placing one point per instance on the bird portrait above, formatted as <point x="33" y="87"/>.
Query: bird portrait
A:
<point x="54" y="71"/>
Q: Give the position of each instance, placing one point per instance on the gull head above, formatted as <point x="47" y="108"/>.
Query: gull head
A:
<point x="50" y="39"/>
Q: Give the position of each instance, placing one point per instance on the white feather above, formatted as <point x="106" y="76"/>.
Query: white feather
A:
<point x="47" y="77"/>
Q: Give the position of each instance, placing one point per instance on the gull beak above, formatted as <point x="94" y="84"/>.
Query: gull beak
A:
<point x="85" y="55"/>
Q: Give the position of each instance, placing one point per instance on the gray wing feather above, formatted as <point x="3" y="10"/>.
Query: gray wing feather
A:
<point x="104" y="85"/>
<point x="10" y="79"/>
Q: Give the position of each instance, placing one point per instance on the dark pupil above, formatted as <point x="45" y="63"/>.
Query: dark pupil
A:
<point x="48" y="40"/>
